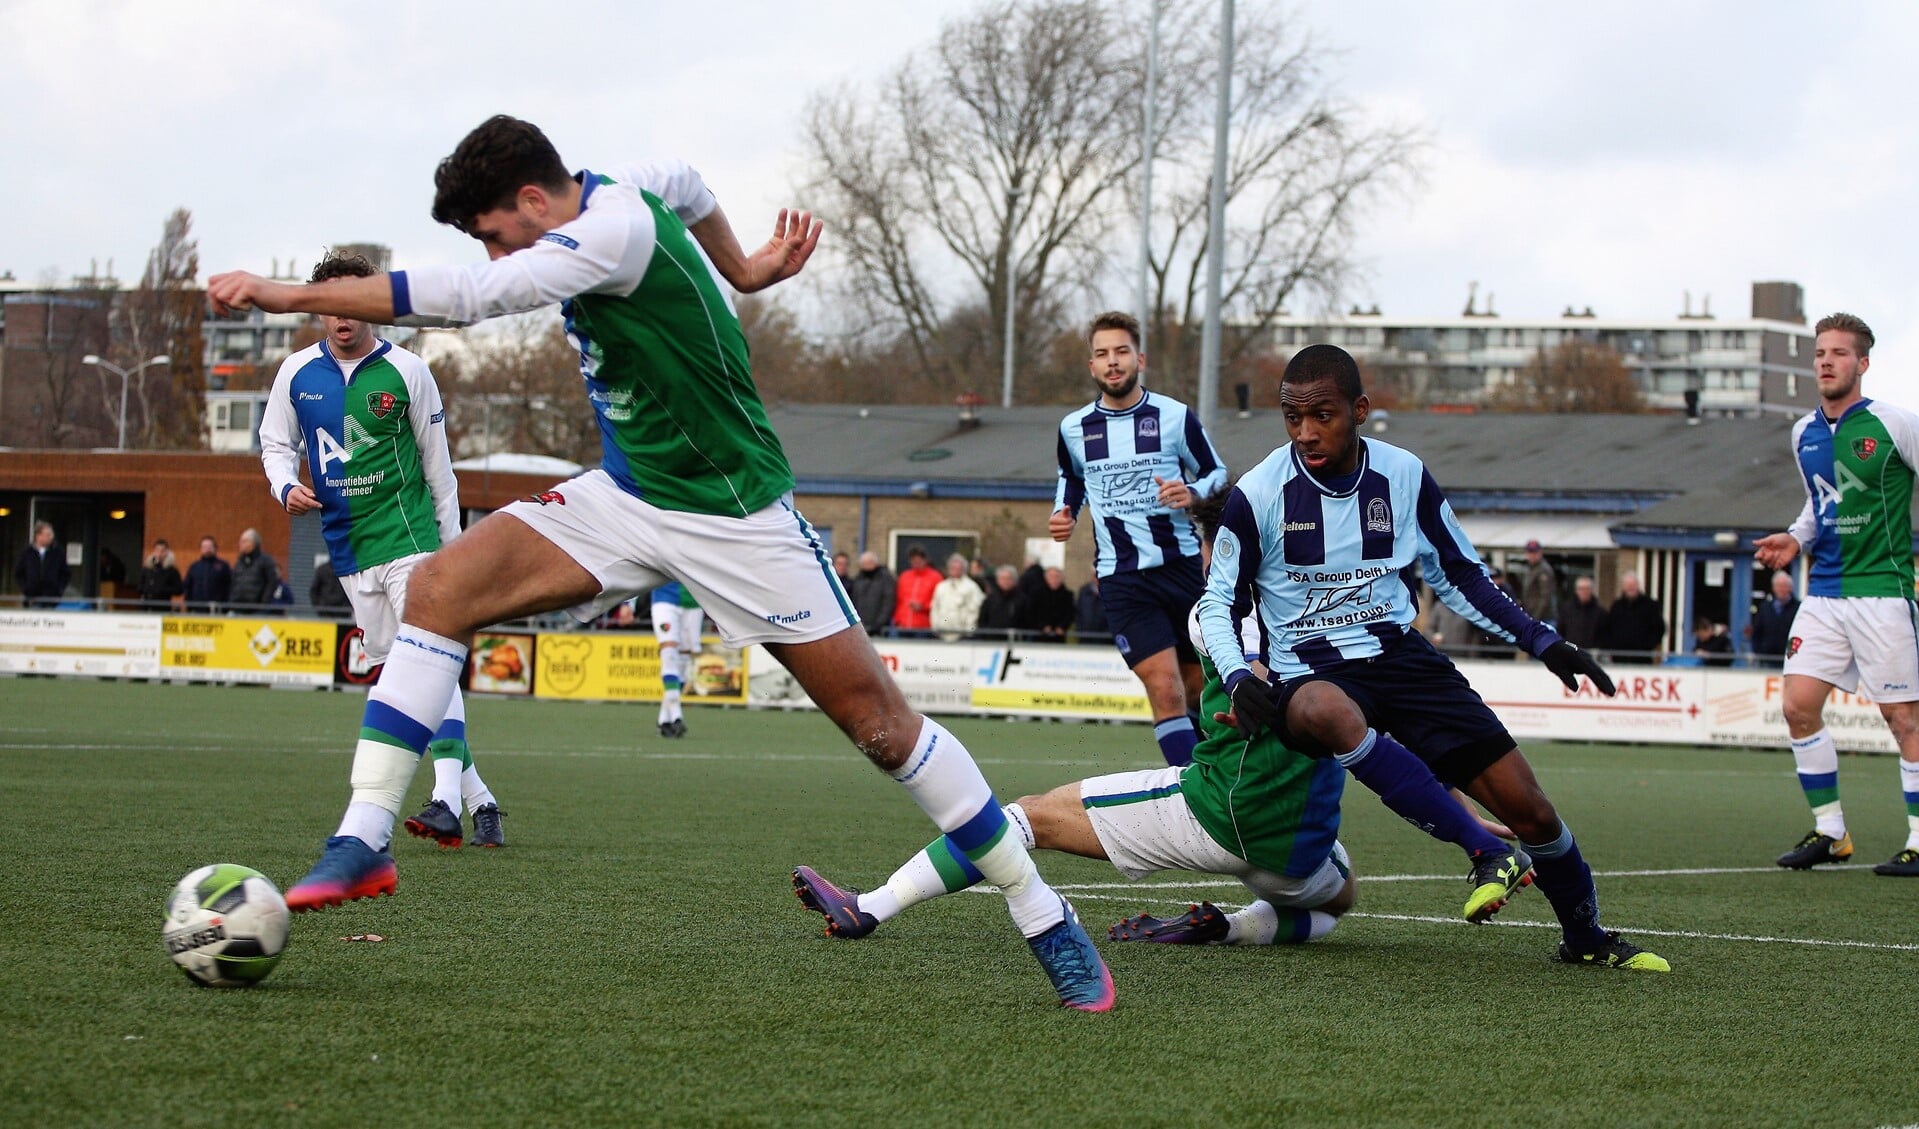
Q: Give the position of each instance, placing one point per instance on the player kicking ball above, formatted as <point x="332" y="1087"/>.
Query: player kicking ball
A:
<point x="693" y="486"/>
<point x="366" y="416"/>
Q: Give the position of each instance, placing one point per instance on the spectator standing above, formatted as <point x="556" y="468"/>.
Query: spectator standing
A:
<point x="956" y="602"/>
<point x="41" y="573"/>
<point x="979" y="574"/>
<point x="255" y="574"/>
<point x="160" y="582"/>
<point x="1051" y="615"/>
<point x="209" y="580"/>
<point x="872" y="592"/>
<point x="843" y="568"/>
<point x="1539" y="586"/>
<point x="913" y="605"/>
<point x="1582" y="621"/>
<point x="1005" y="606"/>
<point x="1089" y="621"/>
<point x="1713" y="646"/>
<point x="1454" y="633"/>
<point x="1772" y="621"/>
<point x="327" y="595"/>
<point x="1635" y="625"/>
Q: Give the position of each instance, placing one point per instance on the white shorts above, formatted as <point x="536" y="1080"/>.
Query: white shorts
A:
<point x="1861" y="644"/>
<point x="675" y="626"/>
<point x="1157" y="831"/>
<point x="763" y="578"/>
<point x="378" y="596"/>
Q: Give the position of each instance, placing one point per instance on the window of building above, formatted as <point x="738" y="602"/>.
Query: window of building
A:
<point x="1355" y="337"/>
<point x="938" y="543"/>
<point x="1792" y="345"/>
<point x="1735" y="339"/>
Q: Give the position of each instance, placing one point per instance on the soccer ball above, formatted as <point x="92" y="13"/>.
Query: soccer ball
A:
<point x="225" y="926"/>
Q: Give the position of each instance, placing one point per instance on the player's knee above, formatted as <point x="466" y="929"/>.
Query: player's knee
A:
<point x="1533" y="819"/>
<point x="1802" y="717"/>
<point x="1321" y="710"/>
<point x="1345" y="900"/>
<point x="884" y="737"/>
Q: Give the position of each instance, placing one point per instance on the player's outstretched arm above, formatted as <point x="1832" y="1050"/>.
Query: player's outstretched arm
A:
<point x="368" y="299"/>
<point x="795" y="236"/>
<point x="1776" y="550"/>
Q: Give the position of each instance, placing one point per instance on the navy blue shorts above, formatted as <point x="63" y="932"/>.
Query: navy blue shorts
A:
<point x="1148" y="609"/>
<point x="1416" y="694"/>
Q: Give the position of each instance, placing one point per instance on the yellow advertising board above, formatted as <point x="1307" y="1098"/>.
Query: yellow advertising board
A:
<point x="622" y="666"/>
<point x="220" y="649"/>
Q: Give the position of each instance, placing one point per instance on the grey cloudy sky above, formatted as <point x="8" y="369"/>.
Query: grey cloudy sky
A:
<point x="1609" y="155"/>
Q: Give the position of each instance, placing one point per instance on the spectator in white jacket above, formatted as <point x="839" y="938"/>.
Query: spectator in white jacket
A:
<point x="956" y="602"/>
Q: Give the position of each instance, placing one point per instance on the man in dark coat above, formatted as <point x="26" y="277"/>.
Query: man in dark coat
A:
<point x="1000" y="615"/>
<point x="1772" y="621"/>
<point x="41" y="573"/>
<point x="872" y="591"/>
<point x="255" y="574"/>
<point x="1635" y="626"/>
<point x="1582" y="619"/>
<point x="159" y="578"/>
<point x="210" y="579"/>
<point x="1051" y="614"/>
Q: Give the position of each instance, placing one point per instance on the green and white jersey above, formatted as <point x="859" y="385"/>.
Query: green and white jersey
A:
<point x="1276" y="808"/>
<point x="1856" y="527"/>
<point x="375" y="445"/>
<point x="661" y="349"/>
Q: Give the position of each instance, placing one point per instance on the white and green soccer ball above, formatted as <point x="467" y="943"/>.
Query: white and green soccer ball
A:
<point x="226" y="926"/>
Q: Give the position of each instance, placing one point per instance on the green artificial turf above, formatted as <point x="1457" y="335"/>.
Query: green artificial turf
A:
<point x="635" y="956"/>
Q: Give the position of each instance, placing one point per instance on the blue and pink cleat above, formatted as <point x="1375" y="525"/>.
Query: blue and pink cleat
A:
<point x="841" y="908"/>
<point x="348" y="869"/>
<point x="1073" y="965"/>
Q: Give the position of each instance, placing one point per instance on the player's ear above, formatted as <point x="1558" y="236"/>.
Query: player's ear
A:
<point x="1360" y="407"/>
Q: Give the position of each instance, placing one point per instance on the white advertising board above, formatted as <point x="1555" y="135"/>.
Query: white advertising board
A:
<point x="80" y="643"/>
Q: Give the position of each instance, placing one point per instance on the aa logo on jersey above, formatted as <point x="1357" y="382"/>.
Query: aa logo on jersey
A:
<point x="380" y="404"/>
<point x="1863" y="448"/>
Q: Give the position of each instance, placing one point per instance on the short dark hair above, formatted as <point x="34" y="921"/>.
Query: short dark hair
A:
<point x="915" y="551"/>
<point x="1325" y="362"/>
<point x="1848" y="323"/>
<point x="1113" y="319"/>
<point x="1208" y="512"/>
<point x="489" y="167"/>
<point x="341" y="264"/>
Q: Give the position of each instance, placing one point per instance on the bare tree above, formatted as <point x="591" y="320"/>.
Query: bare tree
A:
<point x="990" y="157"/>
<point x="163" y="316"/>
<point x="1008" y="152"/>
<point x="517" y="388"/>
<point x="1574" y="376"/>
<point x="1302" y="166"/>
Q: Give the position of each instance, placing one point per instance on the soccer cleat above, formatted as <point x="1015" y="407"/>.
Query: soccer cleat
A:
<point x="1202" y="924"/>
<point x="486" y="826"/>
<point x="1617" y="952"/>
<point x="1905" y="864"/>
<point x="841" y="908"/>
<point x="674" y="728"/>
<point x="1495" y="878"/>
<point x="437" y="822"/>
<point x="1816" y="848"/>
<point x="348" y="869"/>
<point x="1073" y="964"/>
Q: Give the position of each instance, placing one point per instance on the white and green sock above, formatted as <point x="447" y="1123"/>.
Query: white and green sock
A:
<point x="1263" y="923"/>
<point x="944" y="781"/>
<point x="672" y="676"/>
<point x="1909" y="784"/>
<point x="402" y="712"/>
<point x="1817" y="759"/>
<point x="449" y="751"/>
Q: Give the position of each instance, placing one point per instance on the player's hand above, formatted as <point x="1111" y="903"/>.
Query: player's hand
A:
<point x="1061" y="524"/>
<point x="1569" y="662"/>
<point x="1174" y="493"/>
<point x="238" y="290"/>
<point x="1253" y="706"/>
<point x="1492" y="826"/>
<point x="795" y="235"/>
<point x="300" y="499"/>
<point x="1776" y="550"/>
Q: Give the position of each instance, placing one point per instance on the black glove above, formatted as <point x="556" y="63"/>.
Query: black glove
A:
<point x="1569" y="662"/>
<point x="1253" y="706"/>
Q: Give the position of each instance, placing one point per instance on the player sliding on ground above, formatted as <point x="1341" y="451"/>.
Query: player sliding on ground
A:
<point x="694" y="487"/>
<point x="1324" y="540"/>
<point x="351" y="399"/>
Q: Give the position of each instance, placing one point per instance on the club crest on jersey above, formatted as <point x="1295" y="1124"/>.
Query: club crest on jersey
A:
<point x="1863" y="448"/>
<point x="1379" y="516"/>
<point x="1792" y="648"/>
<point x="380" y="404"/>
<point x="546" y="497"/>
<point x="1148" y="427"/>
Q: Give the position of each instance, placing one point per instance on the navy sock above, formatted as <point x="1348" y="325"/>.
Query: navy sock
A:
<point x="1561" y="873"/>
<point x="1177" y="739"/>
<point x="1409" y="789"/>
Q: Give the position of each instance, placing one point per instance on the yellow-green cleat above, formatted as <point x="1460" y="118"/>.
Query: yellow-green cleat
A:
<point x="1617" y="952"/>
<point x="1495" y="879"/>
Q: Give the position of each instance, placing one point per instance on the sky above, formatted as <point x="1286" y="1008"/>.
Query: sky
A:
<point x="1617" y="156"/>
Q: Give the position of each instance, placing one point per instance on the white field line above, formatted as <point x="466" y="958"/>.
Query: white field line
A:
<point x="333" y="745"/>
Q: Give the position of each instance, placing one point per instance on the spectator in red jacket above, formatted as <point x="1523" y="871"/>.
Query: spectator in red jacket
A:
<point x="913" y="613"/>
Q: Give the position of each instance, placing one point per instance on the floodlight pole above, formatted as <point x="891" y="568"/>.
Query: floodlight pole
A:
<point x="100" y="362"/>
<point x="1012" y="291"/>
<point x="1208" y="401"/>
<point x="1148" y="148"/>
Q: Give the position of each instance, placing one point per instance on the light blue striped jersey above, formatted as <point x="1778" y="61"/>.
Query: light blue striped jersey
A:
<point x="1334" y="573"/>
<point x="1108" y="460"/>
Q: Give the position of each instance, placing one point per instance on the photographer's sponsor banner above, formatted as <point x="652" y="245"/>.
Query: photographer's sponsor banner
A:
<point x="84" y="643"/>
<point x="935" y="677"/>
<point x="625" y="666"/>
<point x="1056" y="681"/>
<point x="1742" y="708"/>
<point x="501" y="662"/>
<point x="291" y="652"/>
